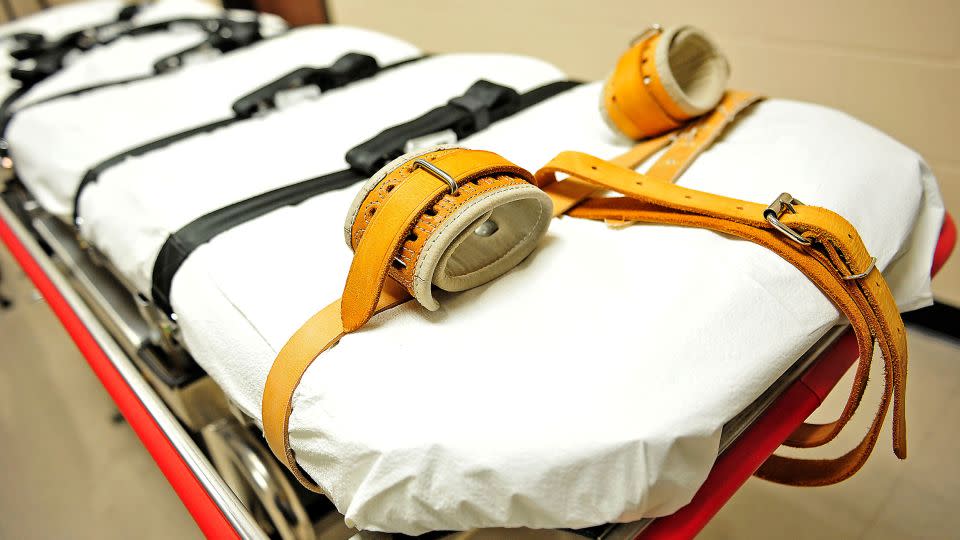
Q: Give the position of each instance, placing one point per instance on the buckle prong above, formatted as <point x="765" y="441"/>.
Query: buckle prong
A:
<point x="776" y="209"/>
<point x="865" y="273"/>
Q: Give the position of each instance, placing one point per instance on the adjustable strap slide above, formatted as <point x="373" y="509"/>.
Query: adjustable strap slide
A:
<point x="482" y="104"/>
<point x="346" y="70"/>
<point x="665" y="78"/>
<point x="821" y="244"/>
<point x="426" y="219"/>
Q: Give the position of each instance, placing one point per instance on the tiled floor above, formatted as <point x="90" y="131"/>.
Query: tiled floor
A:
<point x="70" y="470"/>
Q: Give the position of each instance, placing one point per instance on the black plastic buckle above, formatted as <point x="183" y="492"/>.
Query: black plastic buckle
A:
<point x="27" y="45"/>
<point x="348" y="68"/>
<point x="127" y="13"/>
<point x="40" y="68"/>
<point x="232" y="35"/>
<point x="483" y="103"/>
<point x="480" y="99"/>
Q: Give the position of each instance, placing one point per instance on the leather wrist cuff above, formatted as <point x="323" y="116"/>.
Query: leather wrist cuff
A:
<point x="463" y="237"/>
<point x="664" y="79"/>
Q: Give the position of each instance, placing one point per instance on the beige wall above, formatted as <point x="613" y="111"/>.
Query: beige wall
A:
<point x="893" y="64"/>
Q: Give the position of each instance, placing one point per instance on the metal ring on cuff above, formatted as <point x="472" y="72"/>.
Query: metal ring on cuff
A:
<point x="439" y="173"/>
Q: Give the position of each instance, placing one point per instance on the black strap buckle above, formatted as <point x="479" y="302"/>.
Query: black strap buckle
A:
<point x="484" y="102"/>
<point x="480" y="99"/>
<point x="127" y="13"/>
<point x="33" y="70"/>
<point x="27" y="45"/>
<point x="347" y="69"/>
<point x="234" y="34"/>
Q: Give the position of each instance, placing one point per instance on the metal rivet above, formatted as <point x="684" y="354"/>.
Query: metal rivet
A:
<point x="487" y="228"/>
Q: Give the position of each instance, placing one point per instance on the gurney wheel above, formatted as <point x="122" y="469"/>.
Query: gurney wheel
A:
<point x="257" y="480"/>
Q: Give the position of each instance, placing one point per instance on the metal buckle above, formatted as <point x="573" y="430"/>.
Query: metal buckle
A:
<point x="776" y="209"/>
<point x="438" y="172"/>
<point x="648" y="32"/>
<point x="786" y="202"/>
<point x="446" y="136"/>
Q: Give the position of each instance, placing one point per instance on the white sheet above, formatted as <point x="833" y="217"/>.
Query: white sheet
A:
<point x="123" y="214"/>
<point x="55" y="143"/>
<point x="591" y="383"/>
<point x="135" y="56"/>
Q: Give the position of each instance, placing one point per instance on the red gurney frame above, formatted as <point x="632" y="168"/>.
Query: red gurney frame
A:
<point x="730" y="471"/>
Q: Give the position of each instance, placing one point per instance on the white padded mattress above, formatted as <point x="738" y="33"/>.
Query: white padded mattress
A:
<point x="588" y="385"/>
<point x="55" y="143"/>
<point x="125" y="216"/>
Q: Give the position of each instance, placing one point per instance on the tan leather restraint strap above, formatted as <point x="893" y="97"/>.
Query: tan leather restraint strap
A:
<point x="683" y="147"/>
<point x="408" y="223"/>
<point x="689" y="144"/>
<point x="821" y="244"/>
<point x="699" y="135"/>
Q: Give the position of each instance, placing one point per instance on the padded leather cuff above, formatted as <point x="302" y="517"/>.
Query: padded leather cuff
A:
<point x="464" y="239"/>
<point x="662" y="81"/>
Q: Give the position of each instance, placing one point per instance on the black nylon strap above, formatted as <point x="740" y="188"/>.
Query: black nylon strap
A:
<point x="94" y="173"/>
<point x="502" y="101"/>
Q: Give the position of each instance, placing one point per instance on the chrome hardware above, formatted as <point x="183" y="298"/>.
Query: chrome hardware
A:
<point x="446" y="136"/>
<point x="487" y="228"/>
<point x="438" y="172"/>
<point x="648" y="32"/>
<point x="776" y="209"/>
<point x="865" y="273"/>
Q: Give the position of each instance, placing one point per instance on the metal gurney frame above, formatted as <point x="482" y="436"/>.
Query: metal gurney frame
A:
<point x="220" y="514"/>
